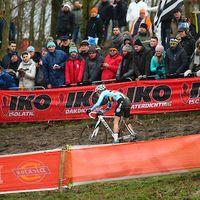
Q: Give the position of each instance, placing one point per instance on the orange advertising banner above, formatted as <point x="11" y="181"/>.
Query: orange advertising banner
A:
<point x="89" y="164"/>
<point x="30" y="172"/>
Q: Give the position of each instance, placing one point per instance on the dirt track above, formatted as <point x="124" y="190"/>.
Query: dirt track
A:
<point x="55" y="135"/>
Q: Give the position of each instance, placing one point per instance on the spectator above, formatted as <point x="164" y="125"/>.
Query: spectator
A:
<point x="58" y="43"/>
<point x="13" y="66"/>
<point x="26" y="72"/>
<point x="12" y="30"/>
<point x="94" y="26"/>
<point x="83" y="51"/>
<point x="92" y="71"/>
<point x="158" y="62"/>
<point x="119" y="14"/>
<point x="1" y="26"/>
<point x="39" y="78"/>
<point x="127" y="40"/>
<point x="143" y="35"/>
<point x="58" y="34"/>
<point x="94" y="42"/>
<point x="141" y="60"/>
<point x="6" y="58"/>
<point x="178" y="37"/>
<point x="65" y="41"/>
<point x="153" y="44"/>
<point x="110" y="65"/>
<point x="54" y="66"/>
<point x="6" y="80"/>
<point x="74" y="68"/>
<point x="35" y="56"/>
<point x="124" y="35"/>
<point x="66" y="22"/>
<point x="125" y="70"/>
<point x="176" y="21"/>
<point x="195" y="64"/>
<point x="192" y="28"/>
<point x="176" y="59"/>
<point x="78" y="11"/>
<point x="117" y="38"/>
<point x="187" y="41"/>
<point x="104" y="11"/>
<point x="134" y="30"/>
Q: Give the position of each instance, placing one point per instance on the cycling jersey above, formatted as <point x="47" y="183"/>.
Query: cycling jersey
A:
<point x="110" y="95"/>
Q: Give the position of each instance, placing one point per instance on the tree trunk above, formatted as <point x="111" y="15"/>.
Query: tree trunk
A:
<point x="5" y="37"/>
<point x="55" y="7"/>
<point x="1" y="5"/>
<point x="188" y="9"/>
<point x="31" y="31"/>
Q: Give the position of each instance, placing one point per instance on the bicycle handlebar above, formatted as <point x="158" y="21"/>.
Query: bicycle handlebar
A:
<point x="90" y="115"/>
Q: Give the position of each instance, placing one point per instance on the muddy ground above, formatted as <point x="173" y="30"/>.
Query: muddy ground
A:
<point x="42" y="136"/>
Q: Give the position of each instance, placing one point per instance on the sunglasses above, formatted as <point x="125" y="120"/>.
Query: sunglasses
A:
<point x="112" y="50"/>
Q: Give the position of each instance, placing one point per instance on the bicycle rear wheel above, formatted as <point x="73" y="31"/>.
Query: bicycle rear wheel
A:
<point x="138" y="127"/>
<point x="85" y="136"/>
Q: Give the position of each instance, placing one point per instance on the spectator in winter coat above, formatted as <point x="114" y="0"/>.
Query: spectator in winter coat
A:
<point x="65" y="41"/>
<point x="83" y="51"/>
<point x="176" y="21"/>
<point x="158" y="62"/>
<point x="104" y="11"/>
<point x="58" y="22"/>
<point x="138" y="21"/>
<point x="6" y="58"/>
<point x="66" y="22"/>
<point x="6" y="80"/>
<point x="141" y="60"/>
<point x="117" y="39"/>
<point x="78" y="11"/>
<point x="111" y="64"/>
<point x="143" y="35"/>
<point x="153" y="44"/>
<point x="35" y="56"/>
<point x="74" y="68"/>
<point x="26" y="72"/>
<point x="125" y="70"/>
<point x="176" y="59"/>
<point x="54" y="66"/>
<point x="192" y="29"/>
<point x="12" y="30"/>
<point x="94" y="26"/>
<point x="187" y="41"/>
<point x="92" y="71"/>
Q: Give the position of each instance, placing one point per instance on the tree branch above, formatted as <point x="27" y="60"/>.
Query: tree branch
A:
<point x="95" y="3"/>
<point x="21" y="4"/>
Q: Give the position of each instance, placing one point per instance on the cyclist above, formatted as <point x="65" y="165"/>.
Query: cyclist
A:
<point x="122" y="108"/>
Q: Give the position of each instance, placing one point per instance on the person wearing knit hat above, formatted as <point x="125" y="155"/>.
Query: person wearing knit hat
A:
<point x="92" y="71"/>
<point x="176" y="60"/>
<point x="94" y="26"/>
<point x="125" y="70"/>
<point x="157" y="66"/>
<point x="51" y="44"/>
<point x="74" y="68"/>
<point x="110" y="65"/>
<point x="138" y="42"/>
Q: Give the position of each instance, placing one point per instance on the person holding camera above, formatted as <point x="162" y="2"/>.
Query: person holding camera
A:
<point x="158" y="62"/>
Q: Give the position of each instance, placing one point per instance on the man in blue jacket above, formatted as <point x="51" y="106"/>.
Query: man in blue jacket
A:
<point x="54" y="66"/>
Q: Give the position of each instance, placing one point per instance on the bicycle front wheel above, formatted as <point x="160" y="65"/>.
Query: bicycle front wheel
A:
<point x="86" y="138"/>
<point x="138" y="127"/>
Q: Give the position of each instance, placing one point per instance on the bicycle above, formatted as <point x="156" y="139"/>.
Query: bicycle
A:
<point x="97" y="132"/>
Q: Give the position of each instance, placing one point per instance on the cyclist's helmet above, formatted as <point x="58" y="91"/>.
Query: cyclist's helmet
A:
<point x="100" y="88"/>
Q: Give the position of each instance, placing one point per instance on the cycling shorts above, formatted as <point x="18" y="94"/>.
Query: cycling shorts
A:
<point x="123" y="107"/>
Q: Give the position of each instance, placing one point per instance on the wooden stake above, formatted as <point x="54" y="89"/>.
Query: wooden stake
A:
<point x="62" y="162"/>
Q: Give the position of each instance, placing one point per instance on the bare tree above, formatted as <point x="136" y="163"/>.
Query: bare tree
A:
<point x="31" y="30"/>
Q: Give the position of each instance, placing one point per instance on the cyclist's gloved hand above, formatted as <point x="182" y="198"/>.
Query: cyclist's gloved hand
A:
<point x="88" y="111"/>
<point x="98" y="113"/>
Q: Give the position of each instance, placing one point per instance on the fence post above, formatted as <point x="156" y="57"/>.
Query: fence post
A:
<point x="62" y="162"/>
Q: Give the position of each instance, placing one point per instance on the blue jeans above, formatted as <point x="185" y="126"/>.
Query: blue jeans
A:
<point x="165" y="34"/>
<point x="76" y="34"/>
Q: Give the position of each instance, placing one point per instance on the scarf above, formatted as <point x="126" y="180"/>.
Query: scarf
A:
<point x="197" y="57"/>
<point x="125" y="64"/>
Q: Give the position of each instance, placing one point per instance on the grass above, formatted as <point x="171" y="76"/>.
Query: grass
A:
<point x="184" y="186"/>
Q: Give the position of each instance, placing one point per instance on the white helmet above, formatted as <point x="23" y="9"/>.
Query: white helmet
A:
<point x="100" y="88"/>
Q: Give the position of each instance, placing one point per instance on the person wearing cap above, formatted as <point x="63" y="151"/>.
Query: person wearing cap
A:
<point x="143" y="35"/>
<point x="65" y="41"/>
<point x="192" y="29"/>
<point x="141" y="60"/>
<point x="176" y="21"/>
<point x="138" y="21"/>
<point x="125" y="71"/>
<point x="111" y="63"/>
<point x="74" y="68"/>
<point x="58" y="22"/>
<point x="83" y="51"/>
<point x="26" y="72"/>
<point x="187" y="41"/>
<point x="92" y="70"/>
<point x="6" y="58"/>
<point x="158" y="62"/>
<point x="78" y="11"/>
<point x="94" y="26"/>
<point x="117" y="38"/>
<point x="66" y="22"/>
<point x="176" y="60"/>
<point x="54" y="66"/>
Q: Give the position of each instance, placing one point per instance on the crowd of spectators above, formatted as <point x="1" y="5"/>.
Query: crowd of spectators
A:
<point x="133" y="55"/>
